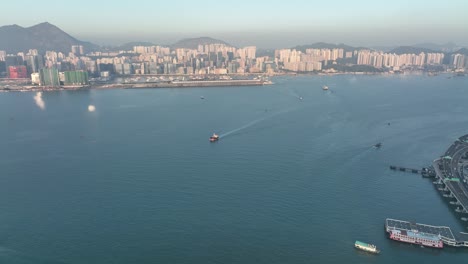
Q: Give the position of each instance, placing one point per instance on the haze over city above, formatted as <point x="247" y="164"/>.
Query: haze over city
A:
<point x="272" y="24"/>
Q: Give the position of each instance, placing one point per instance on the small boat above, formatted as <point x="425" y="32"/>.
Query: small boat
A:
<point x="366" y="247"/>
<point x="214" y="137"/>
<point x="201" y="97"/>
<point x="325" y="87"/>
<point x="378" y="145"/>
<point x="300" y="98"/>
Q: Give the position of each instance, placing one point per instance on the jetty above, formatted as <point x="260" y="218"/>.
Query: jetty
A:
<point x="425" y="172"/>
<point x="445" y="233"/>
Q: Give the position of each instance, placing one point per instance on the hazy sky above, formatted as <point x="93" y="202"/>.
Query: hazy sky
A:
<point x="271" y="24"/>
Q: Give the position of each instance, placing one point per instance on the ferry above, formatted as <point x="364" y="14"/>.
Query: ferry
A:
<point x="416" y="237"/>
<point x="214" y="137"/>
<point x="366" y="247"/>
<point x="325" y="87"/>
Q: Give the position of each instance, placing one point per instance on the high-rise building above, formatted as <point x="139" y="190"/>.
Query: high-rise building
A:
<point x="250" y="52"/>
<point x="16" y="72"/>
<point x="77" y="50"/>
<point x="49" y="77"/>
<point x="76" y="78"/>
<point x="13" y="60"/>
<point x="458" y="61"/>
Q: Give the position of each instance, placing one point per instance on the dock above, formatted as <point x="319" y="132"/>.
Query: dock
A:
<point x="425" y="172"/>
<point x="445" y="233"/>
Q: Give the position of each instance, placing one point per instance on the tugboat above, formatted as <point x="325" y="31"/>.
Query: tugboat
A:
<point x="366" y="247"/>
<point x="214" y="138"/>
<point x="325" y="88"/>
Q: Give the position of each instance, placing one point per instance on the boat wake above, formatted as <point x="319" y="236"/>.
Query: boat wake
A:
<point x="242" y="127"/>
<point x="256" y="121"/>
<point x="289" y="92"/>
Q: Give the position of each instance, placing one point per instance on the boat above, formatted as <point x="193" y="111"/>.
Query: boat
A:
<point x="366" y="247"/>
<point x="300" y="98"/>
<point x="416" y="237"/>
<point x="214" y="137"/>
<point x="378" y="145"/>
<point x="325" y="87"/>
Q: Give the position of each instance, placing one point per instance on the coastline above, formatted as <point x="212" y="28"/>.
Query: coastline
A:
<point x="21" y="86"/>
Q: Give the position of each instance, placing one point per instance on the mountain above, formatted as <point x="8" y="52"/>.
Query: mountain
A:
<point x="447" y="47"/>
<point x="323" y="45"/>
<point x="129" y="46"/>
<point x="463" y="51"/>
<point x="383" y="48"/>
<point x="192" y="43"/>
<point x="43" y="37"/>
<point x="411" y="50"/>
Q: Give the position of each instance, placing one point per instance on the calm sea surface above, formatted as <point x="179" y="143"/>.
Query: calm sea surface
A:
<point x="290" y="181"/>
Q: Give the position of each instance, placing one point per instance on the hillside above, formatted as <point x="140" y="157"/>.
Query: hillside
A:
<point x="323" y="45"/>
<point x="192" y="43"/>
<point x="463" y="51"/>
<point x="411" y="50"/>
<point x="43" y="37"/>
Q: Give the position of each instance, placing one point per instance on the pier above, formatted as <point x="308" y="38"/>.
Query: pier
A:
<point x="450" y="178"/>
<point x="445" y="233"/>
<point x="425" y="172"/>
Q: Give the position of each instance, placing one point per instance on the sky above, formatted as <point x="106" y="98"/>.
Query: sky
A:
<point x="265" y="23"/>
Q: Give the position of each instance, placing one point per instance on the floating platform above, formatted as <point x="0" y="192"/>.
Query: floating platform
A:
<point x="445" y="233"/>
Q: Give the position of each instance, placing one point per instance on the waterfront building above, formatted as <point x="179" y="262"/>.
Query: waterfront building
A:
<point x="35" y="78"/>
<point x="49" y="77"/>
<point x="458" y="61"/>
<point x="75" y="78"/>
<point x="16" y="72"/>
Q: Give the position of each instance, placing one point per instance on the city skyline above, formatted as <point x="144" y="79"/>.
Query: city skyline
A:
<point x="273" y="25"/>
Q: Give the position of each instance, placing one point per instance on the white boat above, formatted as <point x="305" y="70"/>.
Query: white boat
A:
<point x="325" y="87"/>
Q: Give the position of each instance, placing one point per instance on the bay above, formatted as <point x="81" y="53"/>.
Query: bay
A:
<point x="290" y="180"/>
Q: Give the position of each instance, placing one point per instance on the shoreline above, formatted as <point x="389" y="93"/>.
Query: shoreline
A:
<point x="204" y="83"/>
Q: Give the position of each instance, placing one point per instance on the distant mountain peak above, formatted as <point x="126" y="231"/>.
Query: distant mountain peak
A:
<point x="192" y="43"/>
<point x="324" y="45"/>
<point x="43" y="36"/>
<point x="411" y="50"/>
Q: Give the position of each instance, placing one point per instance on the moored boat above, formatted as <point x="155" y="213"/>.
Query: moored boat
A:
<point x="366" y="247"/>
<point x="416" y="237"/>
